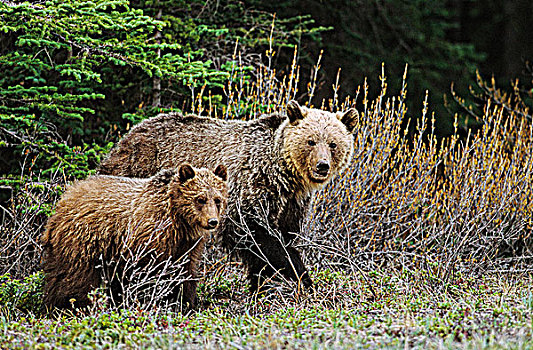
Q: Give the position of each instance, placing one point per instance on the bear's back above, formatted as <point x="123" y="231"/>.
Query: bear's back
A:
<point x="99" y="204"/>
<point x="169" y="139"/>
<point x="101" y="192"/>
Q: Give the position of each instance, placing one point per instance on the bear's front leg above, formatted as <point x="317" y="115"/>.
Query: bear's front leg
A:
<point x="297" y="266"/>
<point x="188" y="297"/>
<point x="270" y="256"/>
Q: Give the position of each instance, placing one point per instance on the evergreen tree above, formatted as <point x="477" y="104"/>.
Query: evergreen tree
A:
<point x="74" y="69"/>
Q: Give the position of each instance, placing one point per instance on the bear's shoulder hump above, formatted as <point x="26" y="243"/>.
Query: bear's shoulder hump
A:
<point x="270" y="121"/>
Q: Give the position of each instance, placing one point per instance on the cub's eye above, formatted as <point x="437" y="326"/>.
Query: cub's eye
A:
<point x="201" y="201"/>
<point x="311" y="143"/>
<point x="333" y="145"/>
<point x="217" y="201"/>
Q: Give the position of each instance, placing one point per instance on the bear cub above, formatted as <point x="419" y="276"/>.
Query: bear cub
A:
<point x="101" y="220"/>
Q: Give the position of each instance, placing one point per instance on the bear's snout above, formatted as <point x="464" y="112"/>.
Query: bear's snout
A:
<point x="322" y="167"/>
<point x="212" y="223"/>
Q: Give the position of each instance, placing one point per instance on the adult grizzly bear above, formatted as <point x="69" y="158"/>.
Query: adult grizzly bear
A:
<point x="275" y="164"/>
<point x="108" y="218"/>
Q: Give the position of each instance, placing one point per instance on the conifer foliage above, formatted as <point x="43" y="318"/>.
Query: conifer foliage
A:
<point x="76" y="69"/>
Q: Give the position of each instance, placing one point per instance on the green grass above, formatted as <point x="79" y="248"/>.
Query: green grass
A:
<point x="385" y="309"/>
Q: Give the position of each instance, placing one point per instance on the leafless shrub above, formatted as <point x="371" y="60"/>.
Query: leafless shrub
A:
<point x="441" y="204"/>
<point x="139" y="277"/>
<point x="21" y="222"/>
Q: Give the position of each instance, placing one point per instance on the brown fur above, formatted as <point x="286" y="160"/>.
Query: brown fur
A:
<point x="275" y="164"/>
<point x="105" y="217"/>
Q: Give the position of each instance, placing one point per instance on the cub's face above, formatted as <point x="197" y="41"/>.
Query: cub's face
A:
<point x="199" y="196"/>
<point x="318" y="144"/>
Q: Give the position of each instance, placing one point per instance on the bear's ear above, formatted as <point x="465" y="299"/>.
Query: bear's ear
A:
<point x="350" y="118"/>
<point x="221" y="172"/>
<point x="185" y="172"/>
<point x="294" y="111"/>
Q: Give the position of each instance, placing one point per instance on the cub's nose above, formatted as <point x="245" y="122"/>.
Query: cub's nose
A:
<point x="212" y="223"/>
<point x="322" y="167"/>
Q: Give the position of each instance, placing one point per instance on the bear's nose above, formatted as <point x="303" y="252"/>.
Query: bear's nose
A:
<point x="322" y="167"/>
<point x="212" y="223"/>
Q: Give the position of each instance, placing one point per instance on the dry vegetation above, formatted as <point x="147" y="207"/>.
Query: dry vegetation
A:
<point x="421" y="242"/>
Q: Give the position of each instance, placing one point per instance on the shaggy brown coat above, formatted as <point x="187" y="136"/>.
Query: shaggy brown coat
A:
<point x="107" y="217"/>
<point x="275" y="164"/>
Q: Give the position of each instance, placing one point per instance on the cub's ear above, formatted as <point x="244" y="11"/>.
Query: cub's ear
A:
<point x="294" y="111"/>
<point x="350" y="118"/>
<point x="185" y="172"/>
<point x="221" y="172"/>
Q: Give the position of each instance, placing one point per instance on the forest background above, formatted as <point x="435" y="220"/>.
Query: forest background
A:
<point x="440" y="192"/>
<point x="86" y="78"/>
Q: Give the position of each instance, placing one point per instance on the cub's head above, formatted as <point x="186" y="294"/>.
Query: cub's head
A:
<point x="318" y="144"/>
<point x="198" y="196"/>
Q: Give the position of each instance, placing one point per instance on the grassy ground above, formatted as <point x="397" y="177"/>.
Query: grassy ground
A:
<point x="393" y="309"/>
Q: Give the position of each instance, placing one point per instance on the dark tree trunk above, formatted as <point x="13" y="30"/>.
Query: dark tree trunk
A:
<point x="518" y="36"/>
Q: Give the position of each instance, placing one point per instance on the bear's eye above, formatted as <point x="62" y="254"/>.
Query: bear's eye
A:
<point x="333" y="145"/>
<point x="311" y="143"/>
<point x="201" y="200"/>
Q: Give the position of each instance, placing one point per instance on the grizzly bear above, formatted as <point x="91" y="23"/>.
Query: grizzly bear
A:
<point x="108" y="217"/>
<point x="275" y="164"/>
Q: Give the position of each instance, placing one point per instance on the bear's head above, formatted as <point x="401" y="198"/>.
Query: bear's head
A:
<point x="318" y="144"/>
<point x="198" y="196"/>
